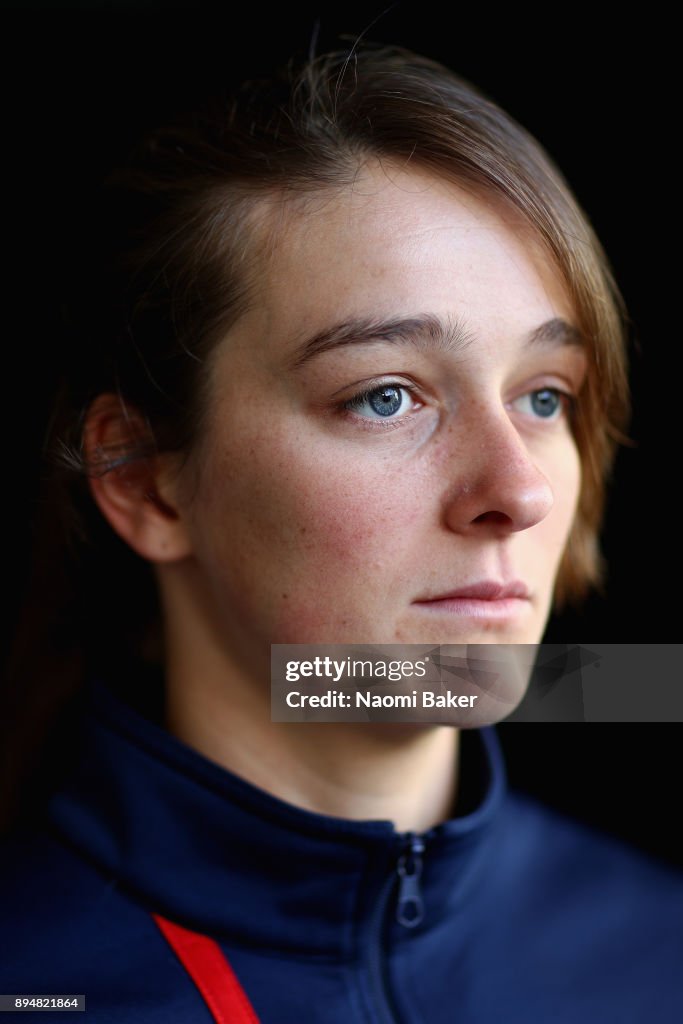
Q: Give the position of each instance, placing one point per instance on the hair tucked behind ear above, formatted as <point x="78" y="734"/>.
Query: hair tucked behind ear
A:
<point x="170" y="249"/>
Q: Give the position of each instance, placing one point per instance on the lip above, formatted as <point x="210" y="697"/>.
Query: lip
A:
<point x="485" y="590"/>
<point x="486" y="599"/>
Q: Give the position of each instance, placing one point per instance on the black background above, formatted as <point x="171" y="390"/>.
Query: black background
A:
<point x="79" y="82"/>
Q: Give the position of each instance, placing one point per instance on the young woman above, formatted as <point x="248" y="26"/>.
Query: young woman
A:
<point x="352" y="370"/>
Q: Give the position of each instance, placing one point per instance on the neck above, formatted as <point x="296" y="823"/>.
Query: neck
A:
<point x="406" y="774"/>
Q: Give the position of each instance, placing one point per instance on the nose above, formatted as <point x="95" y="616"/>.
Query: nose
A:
<point x="497" y="488"/>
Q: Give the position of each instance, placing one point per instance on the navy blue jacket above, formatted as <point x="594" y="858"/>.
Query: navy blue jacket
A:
<point x="527" y="916"/>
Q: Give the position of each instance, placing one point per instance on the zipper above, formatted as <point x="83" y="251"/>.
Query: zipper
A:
<point x="410" y="908"/>
<point x="409" y="911"/>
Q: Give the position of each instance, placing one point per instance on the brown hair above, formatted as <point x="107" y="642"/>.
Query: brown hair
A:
<point x="170" y="253"/>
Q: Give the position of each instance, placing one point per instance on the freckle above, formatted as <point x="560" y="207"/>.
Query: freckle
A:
<point x="285" y="596"/>
<point x="303" y="529"/>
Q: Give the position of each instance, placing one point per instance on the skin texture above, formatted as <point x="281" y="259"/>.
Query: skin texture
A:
<point x="310" y="523"/>
<point x="313" y="526"/>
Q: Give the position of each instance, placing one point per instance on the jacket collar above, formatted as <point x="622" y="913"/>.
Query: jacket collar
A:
<point x="190" y="840"/>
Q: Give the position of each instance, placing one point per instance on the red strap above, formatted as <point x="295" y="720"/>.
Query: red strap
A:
<point x="206" y="964"/>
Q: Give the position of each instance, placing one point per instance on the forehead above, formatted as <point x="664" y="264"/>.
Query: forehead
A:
<point x="397" y="241"/>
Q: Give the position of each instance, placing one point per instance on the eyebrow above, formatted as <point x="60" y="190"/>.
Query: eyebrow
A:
<point x="425" y="331"/>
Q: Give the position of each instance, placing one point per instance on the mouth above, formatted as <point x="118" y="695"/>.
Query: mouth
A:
<point x="489" y="599"/>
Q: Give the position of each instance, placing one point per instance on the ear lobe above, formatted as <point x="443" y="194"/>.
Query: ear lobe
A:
<point x="125" y="476"/>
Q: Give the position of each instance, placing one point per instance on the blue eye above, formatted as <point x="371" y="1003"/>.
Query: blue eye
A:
<point x="383" y="401"/>
<point x="548" y="403"/>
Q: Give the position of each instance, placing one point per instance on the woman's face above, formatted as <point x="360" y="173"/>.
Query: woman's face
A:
<point x="383" y="429"/>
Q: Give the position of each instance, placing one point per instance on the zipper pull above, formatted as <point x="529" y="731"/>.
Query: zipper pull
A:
<point x="410" y="909"/>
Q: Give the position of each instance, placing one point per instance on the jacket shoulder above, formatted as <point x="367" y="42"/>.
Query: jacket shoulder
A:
<point x="66" y="926"/>
<point x="581" y="880"/>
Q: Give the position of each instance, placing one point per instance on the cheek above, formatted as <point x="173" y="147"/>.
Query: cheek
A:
<point x="564" y="474"/>
<point x="360" y="512"/>
<point x="299" y="536"/>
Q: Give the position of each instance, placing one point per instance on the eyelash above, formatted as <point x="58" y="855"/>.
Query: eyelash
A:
<point x="349" y="405"/>
<point x="567" y="402"/>
<point x="357" y="400"/>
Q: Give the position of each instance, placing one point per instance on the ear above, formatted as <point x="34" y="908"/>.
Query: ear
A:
<point x="139" y="499"/>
